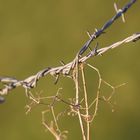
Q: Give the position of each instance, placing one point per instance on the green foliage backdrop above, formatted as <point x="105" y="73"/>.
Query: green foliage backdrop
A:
<point x="36" y="34"/>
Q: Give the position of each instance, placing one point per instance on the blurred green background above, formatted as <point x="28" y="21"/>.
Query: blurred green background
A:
<point x="36" y="34"/>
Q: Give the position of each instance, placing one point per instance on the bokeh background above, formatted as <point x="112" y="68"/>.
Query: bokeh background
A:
<point x="36" y="34"/>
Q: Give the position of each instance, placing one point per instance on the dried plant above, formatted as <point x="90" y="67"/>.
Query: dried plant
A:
<point x="78" y="106"/>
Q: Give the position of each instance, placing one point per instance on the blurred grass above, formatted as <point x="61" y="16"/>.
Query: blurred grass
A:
<point x="36" y="34"/>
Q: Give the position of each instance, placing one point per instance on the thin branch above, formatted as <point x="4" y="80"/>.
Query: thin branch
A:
<point x="49" y="127"/>
<point x="76" y="80"/>
<point x="98" y="91"/>
<point x="86" y="101"/>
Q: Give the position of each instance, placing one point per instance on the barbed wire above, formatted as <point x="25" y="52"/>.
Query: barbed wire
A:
<point x="80" y="105"/>
<point x="31" y="82"/>
<point x="10" y="83"/>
